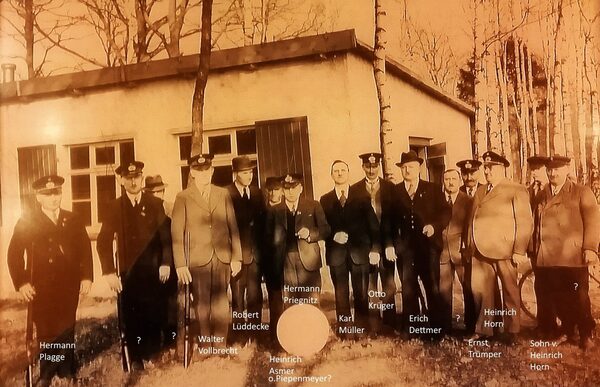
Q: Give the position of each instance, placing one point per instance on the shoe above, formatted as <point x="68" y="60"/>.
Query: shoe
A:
<point x="567" y="339"/>
<point x="586" y="343"/>
<point x="137" y="365"/>
<point x="509" y="339"/>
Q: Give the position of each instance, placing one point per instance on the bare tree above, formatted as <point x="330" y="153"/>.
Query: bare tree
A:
<point x="20" y="21"/>
<point x="385" y="107"/>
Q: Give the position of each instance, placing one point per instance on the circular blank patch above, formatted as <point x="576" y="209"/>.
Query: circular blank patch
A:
<point x="303" y="330"/>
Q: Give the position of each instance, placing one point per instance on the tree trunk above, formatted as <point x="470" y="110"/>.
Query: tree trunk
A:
<point x="533" y="102"/>
<point x="29" y="38"/>
<point x="379" y="58"/>
<point x="480" y="139"/>
<point x="201" y="77"/>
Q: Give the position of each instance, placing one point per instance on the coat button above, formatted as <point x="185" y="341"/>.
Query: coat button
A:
<point x="49" y="239"/>
<point x="50" y="260"/>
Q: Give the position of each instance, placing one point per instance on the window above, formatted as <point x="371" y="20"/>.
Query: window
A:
<point x="224" y="145"/>
<point x="434" y="156"/>
<point x="93" y="183"/>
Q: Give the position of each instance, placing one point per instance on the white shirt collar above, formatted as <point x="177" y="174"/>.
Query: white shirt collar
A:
<point x="452" y="195"/>
<point x="240" y="188"/>
<point x="292" y="206"/>
<point x="134" y="198"/>
<point x="52" y="215"/>
<point x="556" y="190"/>
<point x="339" y="189"/>
<point x="407" y="184"/>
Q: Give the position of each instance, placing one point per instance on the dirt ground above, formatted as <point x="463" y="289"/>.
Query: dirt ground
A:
<point x="385" y="361"/>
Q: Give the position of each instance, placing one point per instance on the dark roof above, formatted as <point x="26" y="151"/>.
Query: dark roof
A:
<point x="320" y="45"/>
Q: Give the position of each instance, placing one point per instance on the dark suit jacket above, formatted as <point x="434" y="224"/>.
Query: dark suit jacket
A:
<point x="410" y="216"/>
<point x="61" y="254"/>
<point x="250" y="220"/>
<point x="309" y="214"/>
<point x="565" y="225"/>
<point x="452" y="234"/>
<point x="144" y="237"/>
<point x="385" y="197"/>
<point x="358" y="220"/>
<point x="212" y="227"/>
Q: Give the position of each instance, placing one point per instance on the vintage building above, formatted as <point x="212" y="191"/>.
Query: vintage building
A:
<point x="293" y="105"/>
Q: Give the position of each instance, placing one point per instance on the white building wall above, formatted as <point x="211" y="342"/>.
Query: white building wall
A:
<point x="337" y="95"/>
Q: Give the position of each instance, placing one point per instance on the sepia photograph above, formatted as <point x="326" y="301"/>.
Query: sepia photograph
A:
<point x="299" y="192"/>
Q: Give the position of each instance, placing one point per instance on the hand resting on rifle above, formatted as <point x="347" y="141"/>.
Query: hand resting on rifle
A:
<point x="184" y="275"/>
<point x="27" y="292"/>
<point x="114" y="282"/>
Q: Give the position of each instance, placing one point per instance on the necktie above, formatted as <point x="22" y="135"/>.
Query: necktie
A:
<point x="411" y="190"/>
<point x="342" y="199"/>
<point x="245" y="195"/>
<point x="489" y="188"/>
<point x="450" y="200"/>
<point x="470" y="191"/>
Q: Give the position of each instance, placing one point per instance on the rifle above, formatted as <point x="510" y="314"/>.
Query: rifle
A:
<point x="29" y="330"/>
<point x="124" y="348"/>
<point x="186" y="307"/>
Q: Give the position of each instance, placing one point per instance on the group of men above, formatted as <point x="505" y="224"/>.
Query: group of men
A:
<point x="218" y="239"/>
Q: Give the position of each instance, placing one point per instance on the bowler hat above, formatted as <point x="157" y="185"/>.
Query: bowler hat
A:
<point x="154" y="184"/>
<point x="409" y="156"/>
<point x="242" y="163"/>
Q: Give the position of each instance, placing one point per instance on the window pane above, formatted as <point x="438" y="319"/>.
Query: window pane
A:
<point x="185" y="172"/>
<point x="127" y="152"/>
<point x="185" y="147"/>
<point x="246" y="142"/>
<point x="219" y="145"/>
<point x="107" y="191"/>
<point x="84" y="211"/>
<point x="105" y="155"/>
<point x="80" y="187"/>
<point x="222" y="176"/>
<point x="80" y="157"/>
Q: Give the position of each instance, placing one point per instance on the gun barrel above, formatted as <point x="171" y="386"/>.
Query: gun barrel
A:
<point x="120" y="322"/>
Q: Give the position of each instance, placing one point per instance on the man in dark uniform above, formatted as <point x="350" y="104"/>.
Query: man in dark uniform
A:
<point x="155" y="186"/>
<point x="294" y="229"/>
<point x="273" y="269"/>
<point x="249" y="207"/>
<point x="351" y="246"/>
<point x="379" y="193"/>
<point x="420" y="214"/>
<point x="58" y="269"/>
<point x="469" y="172"/>
<point x="145" y="257"/>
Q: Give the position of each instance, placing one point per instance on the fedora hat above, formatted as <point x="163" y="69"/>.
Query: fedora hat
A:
<point x="154" y="184"/>
<point x="409" y="156"/>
